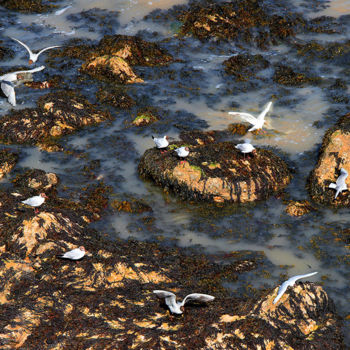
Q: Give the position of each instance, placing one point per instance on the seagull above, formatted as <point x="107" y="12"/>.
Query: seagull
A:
<point x="340" y="184"/>
<point x="176" y="307"/>
<point x="7" y="83"/>
<point x="182" y="152"/>
<point x="290" y="282"/>
<point x="161" y="142"/>
<point x="33" y="57"/>
<point x="246" y="147"/>
<point x="75" y="254"/>
<point x="35" y="201"/>
<point x="256" y="122"/>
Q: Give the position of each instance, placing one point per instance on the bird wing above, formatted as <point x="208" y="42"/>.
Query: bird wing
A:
<point x="31" y="201"/>
<point x="169" y="297"/>
<point x="197" y="297"/>
<point x="261" y="116"/>
<point x="283" y="287"/>
<point x="47" y="48"/>
<point x="342" y="177"/>
<point x="23" y="44"/>
<point x="38" y="69"/>
<point x="72" y="254"/>
<point x="293" y="279"/>
<point x="8" y="89"/>
<point x="245" y="116"/>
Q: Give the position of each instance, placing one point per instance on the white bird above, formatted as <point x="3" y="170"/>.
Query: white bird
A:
<point x="33" y="57"/>
<point x="182" y="152"/>
<point x="35" y="201"/>
<point x="340" y="184"/>
<point x="7" y="83"/>
<point x="256" y="122"/>
<point x="245" y="147"/>
<point x="74" y="254"/>
<point x="161" y="142"/>
<point x="290" y="282"/>
<point x="176" y="307"/>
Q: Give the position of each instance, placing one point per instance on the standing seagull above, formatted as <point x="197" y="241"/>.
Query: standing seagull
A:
<point x="290" y="282"/>
<point x="7" y="83"/>
<point x="182" y="152"/>
<point x="246" y="147"/>
<point x="33" y="57"/>
<point x="161" y="142"/>
<point x="35" y="201"/>
<point x="340" y="184"/>
<point x="256" y="122"/>
<point x="177" y="307"/>
<point x="75" y="254"/>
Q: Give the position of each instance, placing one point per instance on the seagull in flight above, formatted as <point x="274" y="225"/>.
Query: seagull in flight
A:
<point x="7" y="83"/>
<point x="256" y="122"/>
<point x="177" y="307"/>
<point x="75" y="254"/>
<point x="340" y="184"/>
<point x="290" y="282"/>
<point x="33" y="57"/>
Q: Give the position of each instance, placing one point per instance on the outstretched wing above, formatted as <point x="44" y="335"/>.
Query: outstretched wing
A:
<point x="24" y="45"/>
<point x="9" y="91"/>
<point x="264" y="112"/>
<point x="169" y="297"/>
<point x="281" y="291"/>
<point x="245" y="116"/>
<point x="203" y="298"/>
<point x="293" y="279"/>
<point x="46" y="48"/>
<point x="38" y="69"/>
<point x="342" y="177"/>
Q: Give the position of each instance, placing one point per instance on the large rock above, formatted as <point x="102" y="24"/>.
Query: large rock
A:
<point x="57" y="114"/>
<point x="217" y="172"/>
<point x="334" y="155"/>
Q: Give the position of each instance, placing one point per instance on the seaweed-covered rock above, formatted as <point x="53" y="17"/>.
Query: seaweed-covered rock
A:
<point x="145" y="117"/>
<point x="5" y="52"/>
<point x="299" y="208"/>
<point x="334" y="155"/>
<point x="244" y="67"/>
<point x="112" y="68"/>
<point x="287" y="76"/>
<point x="7" y="161"/>
<point x="217" y="172"/>
<point x="36" y="179"/>
<point x="231" y="20"/>
<point x="134" y="50"/>
<point x="131" y="205"/>
<point x="57" y="114"/>
<point x="27" y="6"/>
<point x="115" y="97"/>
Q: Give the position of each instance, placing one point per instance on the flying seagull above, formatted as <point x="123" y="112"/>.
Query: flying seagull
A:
<point x="340" y="184"/>
<point x="290" y="282"/>
<point x="161" y="142"/>
<point x="33" y="57"/>
<point x="256" y="122"/>
<point x="7" y="83"/>
<point x="177" y="307"/>
<point x="75" y="254"/>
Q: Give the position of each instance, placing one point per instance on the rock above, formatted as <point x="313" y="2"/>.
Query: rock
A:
<point x="333" y="156"/>
<point x="27" y="6"/>
<point x="286" y="76"/>
<point x="299" y="208"/>
<point x="247" y="21"/>
<point x="37" y="180"/>
<point x="57" y="114"/>
<point x="115" y="97"/>
<point x="111" y="68"/>
<point x="131" y="205"/>
<point x="144" y="118"/>
<point x="243" y="67"/>
<point x="7" y="161"/>
<point x="217" y="172"/>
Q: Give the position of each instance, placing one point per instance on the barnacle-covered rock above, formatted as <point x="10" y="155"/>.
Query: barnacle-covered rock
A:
<point x="333" y="156"/>
<point x="217" y="172"/>
<point x="57" y="114"/>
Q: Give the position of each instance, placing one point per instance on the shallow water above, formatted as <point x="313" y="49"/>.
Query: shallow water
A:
<point x="298" y="120"/>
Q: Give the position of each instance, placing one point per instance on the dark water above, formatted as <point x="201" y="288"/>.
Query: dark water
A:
<point x="196" y="94"/>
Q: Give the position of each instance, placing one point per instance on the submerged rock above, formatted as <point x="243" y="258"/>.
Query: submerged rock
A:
<point x="333" y="156"/>
<point x="217" y="172"/>
<point x="299" y="208"/>
<point x="7" y="161"/>
<point x="57" y="114"/>
<point x="115" y="97"/>
<point x="287" y="76"/>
